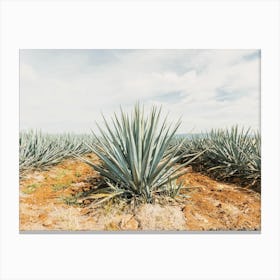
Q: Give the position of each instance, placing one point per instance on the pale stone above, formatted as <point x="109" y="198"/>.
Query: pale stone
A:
<point x="157" y="217"/>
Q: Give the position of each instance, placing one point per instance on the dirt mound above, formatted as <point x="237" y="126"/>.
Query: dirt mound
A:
<point x="48" y="201"/>
<point x="157" y="217"/>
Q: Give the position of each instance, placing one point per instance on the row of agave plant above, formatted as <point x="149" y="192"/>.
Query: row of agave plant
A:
<point x="231" y="154"/>
<point x="39" y="150"/>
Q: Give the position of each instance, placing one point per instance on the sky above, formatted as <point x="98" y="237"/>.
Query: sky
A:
<point x="66" y="90"/>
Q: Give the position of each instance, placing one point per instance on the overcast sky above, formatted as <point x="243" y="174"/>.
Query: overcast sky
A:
<point x="65" y="90"/>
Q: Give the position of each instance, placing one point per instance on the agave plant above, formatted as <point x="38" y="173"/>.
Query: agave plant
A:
<point x="136" y="155"/>
<point x="253" y="166"/>
<point x="231" y="153"/>
<point x="234" y="153"/>
<point x="37" y="149"/>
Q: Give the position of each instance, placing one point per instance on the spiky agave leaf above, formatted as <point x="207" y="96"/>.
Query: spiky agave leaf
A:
<point x="135" y="151"/>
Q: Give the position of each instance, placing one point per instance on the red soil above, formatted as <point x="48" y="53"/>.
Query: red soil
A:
<point x="210" y="205"/>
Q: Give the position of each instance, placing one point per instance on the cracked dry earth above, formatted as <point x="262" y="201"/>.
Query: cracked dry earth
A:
<point x="48" y="202"/>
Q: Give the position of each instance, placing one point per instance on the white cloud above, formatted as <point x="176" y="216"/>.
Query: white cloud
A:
<point x="66" y="90"/>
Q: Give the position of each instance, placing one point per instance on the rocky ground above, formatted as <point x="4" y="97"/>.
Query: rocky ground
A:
<point x="56" y="200"/>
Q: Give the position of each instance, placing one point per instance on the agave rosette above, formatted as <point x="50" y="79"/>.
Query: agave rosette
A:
<point x="136" y="154"/>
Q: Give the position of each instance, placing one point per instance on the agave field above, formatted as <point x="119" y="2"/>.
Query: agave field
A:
<point x="233" y="155"/>
<point x="38" y="150"/>
<point x="138" y="159"/>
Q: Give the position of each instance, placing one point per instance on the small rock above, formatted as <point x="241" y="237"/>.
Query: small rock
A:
<point x="128" y="222"/>
<point x="111" y="226"/>
<point x="86" y="201"/>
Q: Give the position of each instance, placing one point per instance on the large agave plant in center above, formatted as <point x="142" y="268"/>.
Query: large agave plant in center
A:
<point x="135" y="152"/>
